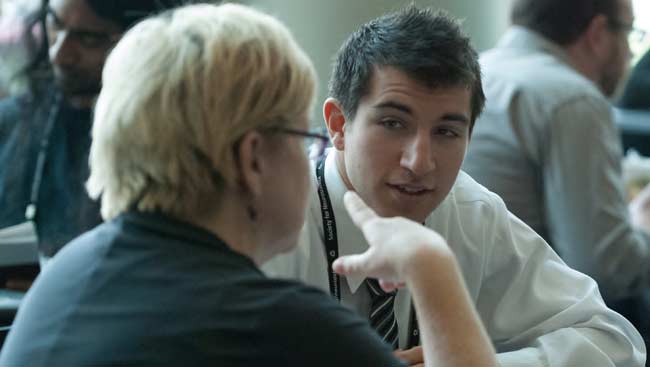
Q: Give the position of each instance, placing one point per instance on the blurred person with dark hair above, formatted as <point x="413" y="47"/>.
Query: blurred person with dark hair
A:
<point x="45" y="133"/>
<point x="404" y="94"/>
<point x="547" y="143"/>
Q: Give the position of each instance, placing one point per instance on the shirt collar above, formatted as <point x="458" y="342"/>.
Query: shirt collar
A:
<point x="176" y="231"/>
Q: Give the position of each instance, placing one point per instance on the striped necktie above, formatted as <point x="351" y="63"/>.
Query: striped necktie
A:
<point x="382" y="314"/>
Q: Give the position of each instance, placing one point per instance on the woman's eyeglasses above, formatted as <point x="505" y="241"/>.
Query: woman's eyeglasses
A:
<point x="315" y="143"/>
<point x="315" y="140"/>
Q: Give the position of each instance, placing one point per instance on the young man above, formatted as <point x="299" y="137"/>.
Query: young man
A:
<point x="404" y="94"/>
<point x="547" y="143"/>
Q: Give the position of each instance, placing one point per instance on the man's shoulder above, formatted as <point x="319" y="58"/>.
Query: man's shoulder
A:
<point x="470" y="207"/>
<point x="467" y="191"/>
<point x="10" y="108"/>
<point x="536" y="77"/>
<point x="18" y="103"/>
<point x="14" y="109"/>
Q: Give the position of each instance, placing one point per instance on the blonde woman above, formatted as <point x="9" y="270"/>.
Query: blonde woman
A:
<point x="199" y="160"/>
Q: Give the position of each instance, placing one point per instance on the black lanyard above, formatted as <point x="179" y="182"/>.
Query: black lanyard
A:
<point x="332" y="249"/>
<point x="329" y="230"/>
<point x="30" y="211"/>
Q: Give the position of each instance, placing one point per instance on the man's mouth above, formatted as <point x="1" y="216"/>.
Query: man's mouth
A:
<point x="411" y="190"/>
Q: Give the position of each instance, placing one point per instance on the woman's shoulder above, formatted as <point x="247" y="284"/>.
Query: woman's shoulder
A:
<point x="321" y="330"/>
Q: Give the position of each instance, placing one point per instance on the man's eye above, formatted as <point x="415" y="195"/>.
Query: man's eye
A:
<point x="392" y="124"/>
<point x="91" y="41"/>
<point x="447" y="132"/>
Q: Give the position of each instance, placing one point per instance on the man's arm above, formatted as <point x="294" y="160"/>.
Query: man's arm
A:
<point x="587" y="213"/>
<point x="540" y="312"/>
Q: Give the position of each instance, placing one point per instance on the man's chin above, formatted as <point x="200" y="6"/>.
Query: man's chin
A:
<point x="415" y="210"/>
<point x="417" y="217"/>
<point x="72" y="89"/>
<point x="410" y="213"/>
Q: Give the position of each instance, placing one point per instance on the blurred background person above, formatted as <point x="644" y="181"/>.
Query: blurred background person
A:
<point x="548" y="146"/>
<point x="198" y="155"/>
<point x="45" y="131"/>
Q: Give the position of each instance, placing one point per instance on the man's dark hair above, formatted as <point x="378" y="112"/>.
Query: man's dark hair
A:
<point x="562" y="21"/>
<point x="125" y="13"/>
<point x="427" y="46"/>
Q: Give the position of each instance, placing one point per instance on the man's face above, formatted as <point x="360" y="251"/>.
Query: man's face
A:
<point x="404" y="148"/>
<point x="79" y="42"/>
<point x="617" y="61"/>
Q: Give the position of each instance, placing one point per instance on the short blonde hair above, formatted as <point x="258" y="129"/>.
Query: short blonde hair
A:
<point x="179" y="91"/>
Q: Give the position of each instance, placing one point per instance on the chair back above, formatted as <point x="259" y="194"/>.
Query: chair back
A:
<point x="4" y="330"/>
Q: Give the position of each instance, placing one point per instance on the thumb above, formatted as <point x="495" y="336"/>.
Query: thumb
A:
<point x="350" y="264"/>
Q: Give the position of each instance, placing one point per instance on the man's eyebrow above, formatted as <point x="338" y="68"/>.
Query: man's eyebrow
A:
<point x="394" y="105"/>
<point x="452" y="117"/>
<point x="456" y="117"/>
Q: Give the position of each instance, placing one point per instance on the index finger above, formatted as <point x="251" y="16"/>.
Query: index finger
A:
<point x="359" y="211"/>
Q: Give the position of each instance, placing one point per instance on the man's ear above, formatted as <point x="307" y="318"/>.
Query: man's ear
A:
<point x="250" y="163"/>
<point x="335" y="121"/>
<point x="598" y="36"/>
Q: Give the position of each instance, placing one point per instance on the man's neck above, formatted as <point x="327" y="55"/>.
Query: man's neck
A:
<point x="339" y="159"/>
<point x="583" y="62"/>
<point x="81" y="102"/>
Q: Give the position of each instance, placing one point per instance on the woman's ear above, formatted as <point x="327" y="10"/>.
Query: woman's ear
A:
<point x="250" y="163"/>
<point x="335" y="121"/>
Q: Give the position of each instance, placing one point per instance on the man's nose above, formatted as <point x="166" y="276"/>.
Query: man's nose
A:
<point x="63" y="50"/>
<point x="418" y="155"/>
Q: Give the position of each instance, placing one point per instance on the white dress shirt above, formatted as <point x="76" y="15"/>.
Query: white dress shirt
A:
<point x="537" y="310"/>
